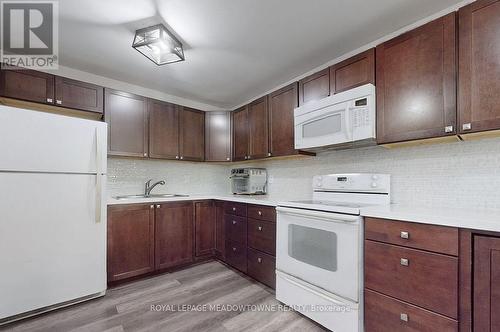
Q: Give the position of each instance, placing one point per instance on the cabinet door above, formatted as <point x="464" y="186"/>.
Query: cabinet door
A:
<point x="220" y="233"/>
<point x="127" y="118"/>
<point x="416" y="83"/>
<point x="218" y="136"/>
<point x="281" y="121"/>
<point x="130" y="241"/>
<point x="353" y="72"/>
<point x="27" y="85"/>
<point x="79" y="95"/>
<point x="163" y="130"/>
<point x="204" y="228"/>
<point x="192" y="134"/>
<point x="240" y="134"/>
<point x="174" y="234"/>
<point x="258" y="129"/>
<point x="486" y="299"/>
<point x="479" y="68"/>
<point x="314" y="87"/>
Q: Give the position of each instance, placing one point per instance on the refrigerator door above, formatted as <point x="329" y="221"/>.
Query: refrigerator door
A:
<point x="52" y="245"/>
<point x="41" y="142"/>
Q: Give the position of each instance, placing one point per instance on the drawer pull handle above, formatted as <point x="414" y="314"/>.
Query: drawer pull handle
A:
<point x="259" y="260"/>
<point x="403" y="317"/>
<point x="49" y="100"/>
<point x="405" y="235"/>
<point x="158" y="206"/>
<point x="259" y="228"/>
<point x="405" y="262"/>
<point x="259" y="213"/>
<point x="234" y="222"/>
<point x="234" y="249"/>
<point x="234" y="209"/>
<point x="151" y="206"/>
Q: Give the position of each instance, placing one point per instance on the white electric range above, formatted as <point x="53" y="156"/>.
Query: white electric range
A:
<point x="319" y="251"/>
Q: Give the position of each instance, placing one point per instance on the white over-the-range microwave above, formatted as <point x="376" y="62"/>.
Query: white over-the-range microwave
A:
<point x="341" y="121"/>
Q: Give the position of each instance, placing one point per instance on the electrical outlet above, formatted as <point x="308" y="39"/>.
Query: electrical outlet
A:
<point x="270" y="179"/>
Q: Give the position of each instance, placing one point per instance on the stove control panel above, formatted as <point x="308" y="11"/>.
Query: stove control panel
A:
<point x="355" y="182"/>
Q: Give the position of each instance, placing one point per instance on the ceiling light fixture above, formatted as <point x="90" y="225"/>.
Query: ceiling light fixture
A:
<point x="158" y="45"/>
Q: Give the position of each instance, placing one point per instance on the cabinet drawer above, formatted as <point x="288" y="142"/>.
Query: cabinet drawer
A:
<point x="236" y="255"/>
<point x="383" y="313"/>
<point x="260" y="212"/>
<point x="420" y="236"/>
<point x="262" y="236"/>
<point x="421" y="278"/>
<point x="238" y="209"/>
<point x="261" y="267"/>
<point x="236" y="228"/>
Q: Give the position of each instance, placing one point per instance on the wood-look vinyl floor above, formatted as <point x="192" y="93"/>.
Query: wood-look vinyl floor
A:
<point x="129" y="307"/>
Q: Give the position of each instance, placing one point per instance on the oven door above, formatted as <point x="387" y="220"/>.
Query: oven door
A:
<point x="320" y="248"/>
<point x="323" y="127"/>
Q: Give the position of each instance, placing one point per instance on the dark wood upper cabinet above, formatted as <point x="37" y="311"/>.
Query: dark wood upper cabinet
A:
<point x="353" y="72"/>
<point x="163" y="130"/>
<point x="479" y="68"/>
<point x="79" y="95"/>
<point x="218" y="136"/>
<point x="174" y="234"/>
<point x="204" y="228"/>
<point x="127" y="118"/>
<point x="191" y="134"/>
<point x="258" y="129"/>
<point x="27" y="85"/>
<point x="486" y="299"/>
<point x="416" y="83"/>
<point x="314" y="87"/>
<point x="281" y="121"/>
<point x="240" y="134"/>
<point x="130" y="241"/>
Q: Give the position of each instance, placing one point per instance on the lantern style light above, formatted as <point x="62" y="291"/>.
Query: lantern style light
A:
<point x="158" y="45"/>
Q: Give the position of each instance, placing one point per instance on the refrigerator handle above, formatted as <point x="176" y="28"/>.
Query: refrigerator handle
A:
<point x="98" y="191"/>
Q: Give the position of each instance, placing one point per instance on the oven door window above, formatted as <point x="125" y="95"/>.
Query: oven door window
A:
<point x="313" y="246"/>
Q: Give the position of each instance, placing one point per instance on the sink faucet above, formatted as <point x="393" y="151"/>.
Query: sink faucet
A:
<point x="148" y="187"/>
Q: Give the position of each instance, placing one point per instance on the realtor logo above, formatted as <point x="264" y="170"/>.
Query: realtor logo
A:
<point x="29" y="34"/>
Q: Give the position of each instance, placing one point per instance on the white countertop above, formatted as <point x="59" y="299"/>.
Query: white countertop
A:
<point x="259" y="200"/>
<point x="478" y="219"/>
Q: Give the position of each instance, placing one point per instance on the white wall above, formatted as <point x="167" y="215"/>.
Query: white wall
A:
<point x="462" y="174"/>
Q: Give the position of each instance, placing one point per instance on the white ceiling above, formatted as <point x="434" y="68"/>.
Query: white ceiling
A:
<point x="235" y="49"/>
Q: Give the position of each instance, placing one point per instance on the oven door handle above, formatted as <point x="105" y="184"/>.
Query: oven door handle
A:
<point x="326" y="216"/>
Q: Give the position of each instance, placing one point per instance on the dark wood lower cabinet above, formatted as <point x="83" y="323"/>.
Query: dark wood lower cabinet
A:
<point x="236" y="255"/>
<point x="261" y="266"/>
<point x="130" y="233"/>
<point x="220" y="236"/>
<point x="384" y="313"/>
<point x="486" y="288"/>
<point x="174" y="234"/>
<point x="204" y="228"/>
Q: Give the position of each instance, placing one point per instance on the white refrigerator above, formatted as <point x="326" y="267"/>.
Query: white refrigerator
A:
<point x="52" y="211"/>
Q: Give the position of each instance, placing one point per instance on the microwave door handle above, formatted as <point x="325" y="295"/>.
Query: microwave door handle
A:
<point x="348" y="123"/>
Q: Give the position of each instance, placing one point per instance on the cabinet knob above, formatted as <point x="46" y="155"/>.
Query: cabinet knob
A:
<point x="467" y="126"/>
<point x="246" y="157"/>
<point x="158" y="206"/>
<point x="403" y="317"/>
<point x="405" y="262"/>
<point x="151" y="206"/>
<point x="249" y="157"/>
<point x="145" y="154"/>
<point x="448" y="129"/>
<point x="234" y="222"/>
<point x="58" y="102"/>
<point x="269" y="154"/>
<point x="405" y="235"/>
<point x="182" y="157"/>
<point x="228" y="159"/>
<point x="259" y="228"/>
<point x="176" y="157"/>
<point x="259" y="260"/>
<point x="259" y="213"/>
<point x="50" y="100"/>
<point x="234" y="249"/>
<point x="234" y="209"/>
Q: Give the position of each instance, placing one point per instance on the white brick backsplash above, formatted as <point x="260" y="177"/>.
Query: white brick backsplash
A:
<point x="463" y="174"/>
